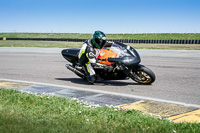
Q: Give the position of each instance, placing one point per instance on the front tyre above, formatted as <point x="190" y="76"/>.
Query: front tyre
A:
<point x="142" y="75"/>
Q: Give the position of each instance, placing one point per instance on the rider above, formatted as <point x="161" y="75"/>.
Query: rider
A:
<point x="89" y="53"/>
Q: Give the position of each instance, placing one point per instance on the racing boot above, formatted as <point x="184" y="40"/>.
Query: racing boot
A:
<point x="91" y="79"/>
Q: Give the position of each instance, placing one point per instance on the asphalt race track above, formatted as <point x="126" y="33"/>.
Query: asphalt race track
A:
<point x="177" y="72"/>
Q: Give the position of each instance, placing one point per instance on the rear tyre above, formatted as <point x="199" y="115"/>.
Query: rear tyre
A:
<point x="143" y="75"/>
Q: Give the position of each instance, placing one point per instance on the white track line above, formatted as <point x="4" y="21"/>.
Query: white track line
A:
<point x="105" y="92"/>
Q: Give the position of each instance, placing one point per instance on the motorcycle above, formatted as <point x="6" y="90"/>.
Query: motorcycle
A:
<point x="122" y="60"/>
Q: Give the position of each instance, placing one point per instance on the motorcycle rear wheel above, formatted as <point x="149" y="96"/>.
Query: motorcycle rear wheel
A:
<point x="143" y="75"/>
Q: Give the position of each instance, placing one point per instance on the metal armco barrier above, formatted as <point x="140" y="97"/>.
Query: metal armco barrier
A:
<point x="114" y="40"/>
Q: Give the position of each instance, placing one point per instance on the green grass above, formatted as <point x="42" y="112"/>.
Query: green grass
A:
<point x="61" y="44"/>
<point x="28" y="113"/>
<point x="44" y="44"/>
<point x="156" y="36"/>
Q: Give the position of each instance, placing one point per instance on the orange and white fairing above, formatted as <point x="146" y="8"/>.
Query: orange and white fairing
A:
<point x="105" y="54"/>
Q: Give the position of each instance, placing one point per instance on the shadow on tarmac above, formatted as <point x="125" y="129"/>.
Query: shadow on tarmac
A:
<point x="99" y="82"/>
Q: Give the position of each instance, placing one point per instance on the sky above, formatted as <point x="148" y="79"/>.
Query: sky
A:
<point x="109" y="16"/>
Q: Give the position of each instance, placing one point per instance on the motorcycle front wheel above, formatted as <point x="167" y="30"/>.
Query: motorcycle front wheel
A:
<point x="143" y="75"/>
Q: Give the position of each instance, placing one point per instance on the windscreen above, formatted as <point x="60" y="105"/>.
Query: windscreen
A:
<point x="119" y="50"/>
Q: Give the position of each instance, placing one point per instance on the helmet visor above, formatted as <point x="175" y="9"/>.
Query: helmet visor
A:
<point x="99" y="42"/>
<point x="103" y="43"/>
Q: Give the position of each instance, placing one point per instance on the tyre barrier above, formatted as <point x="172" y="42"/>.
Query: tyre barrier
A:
<point x="48" y="39"/>
<point x="156" y="41"/>
<point x="113" y="40"/>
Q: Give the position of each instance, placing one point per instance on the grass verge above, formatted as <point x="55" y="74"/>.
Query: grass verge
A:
<point x="155" y="36"/>
<point x="61" y="44"/>
<point x="45" y="44"/>
<point x="23" y="112"/>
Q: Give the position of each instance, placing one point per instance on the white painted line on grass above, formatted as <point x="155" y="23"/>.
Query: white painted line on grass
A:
<point x="105" y="92"/>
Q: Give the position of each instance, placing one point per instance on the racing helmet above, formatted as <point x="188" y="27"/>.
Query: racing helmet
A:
<point x="98" y="39"/>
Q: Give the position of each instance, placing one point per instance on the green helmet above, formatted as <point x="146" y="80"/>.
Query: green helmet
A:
<point x="99" y="39"/>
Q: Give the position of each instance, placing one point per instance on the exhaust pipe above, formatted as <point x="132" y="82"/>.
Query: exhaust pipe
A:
<point x="70" y="67"/>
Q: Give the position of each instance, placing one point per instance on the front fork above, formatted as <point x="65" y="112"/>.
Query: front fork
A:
<point x="133" y="75"/>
